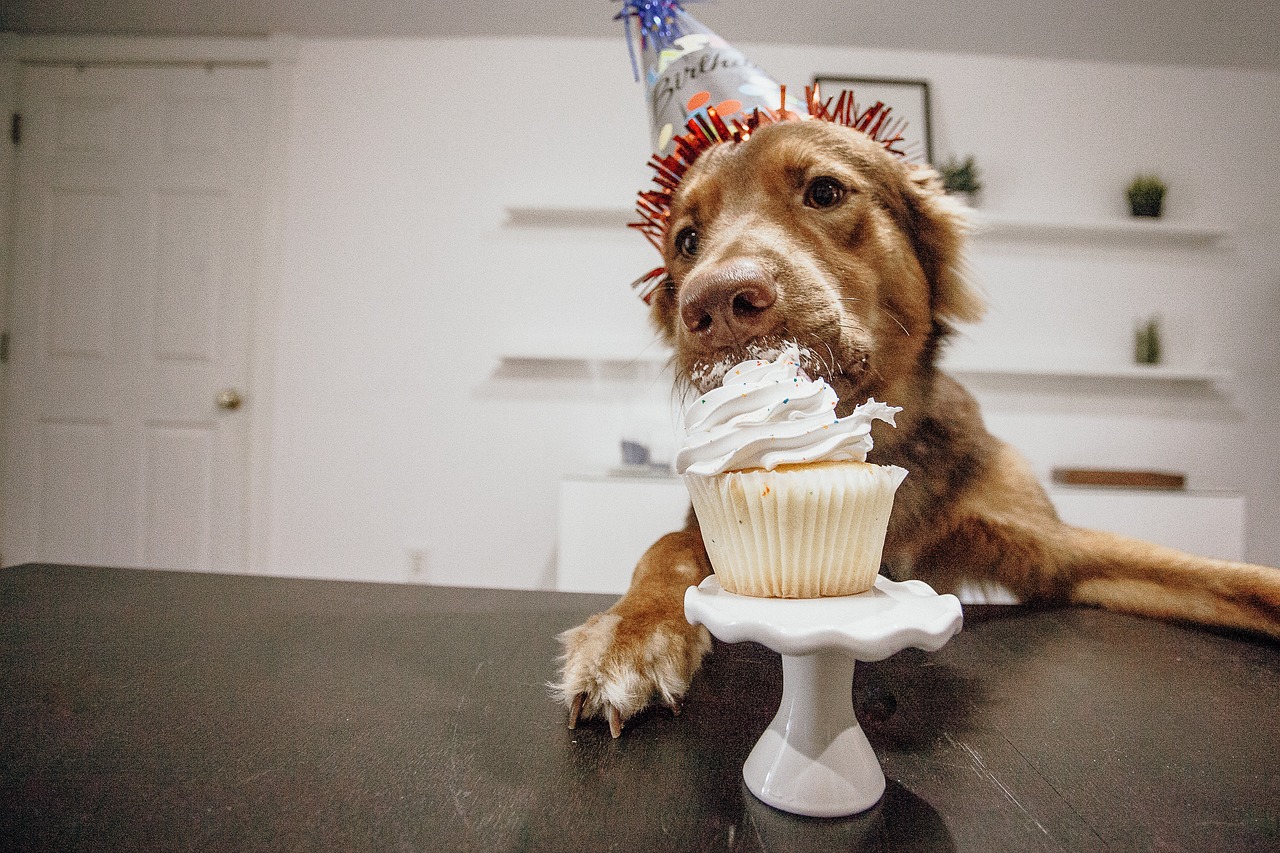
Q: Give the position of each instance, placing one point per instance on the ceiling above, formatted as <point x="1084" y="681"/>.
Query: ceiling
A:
<point x="1244" y="33"/>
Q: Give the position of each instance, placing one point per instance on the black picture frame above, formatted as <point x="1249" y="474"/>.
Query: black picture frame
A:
<point x="908" y="98"/>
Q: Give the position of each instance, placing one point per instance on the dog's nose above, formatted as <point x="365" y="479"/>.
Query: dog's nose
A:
<point x="730" y="303"/>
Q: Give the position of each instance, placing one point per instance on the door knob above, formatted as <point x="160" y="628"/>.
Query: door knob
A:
<point x="229" y="399"/>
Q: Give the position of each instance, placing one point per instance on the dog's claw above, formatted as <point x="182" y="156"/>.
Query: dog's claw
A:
<point x="575" y="710"/>
<point x="675" y="706"/>
<point x="615" y="722"/>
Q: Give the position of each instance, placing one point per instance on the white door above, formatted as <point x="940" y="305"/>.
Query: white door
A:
<point x="136" y="248"/>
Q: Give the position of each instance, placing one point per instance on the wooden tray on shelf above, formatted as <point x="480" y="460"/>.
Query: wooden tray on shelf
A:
<point x="1120" y="478"/>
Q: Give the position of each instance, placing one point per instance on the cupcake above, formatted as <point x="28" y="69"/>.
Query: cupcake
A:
<point x="788" y="505"/>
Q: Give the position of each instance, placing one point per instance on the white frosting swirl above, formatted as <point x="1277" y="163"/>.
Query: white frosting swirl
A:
<point x="769" y="413"/>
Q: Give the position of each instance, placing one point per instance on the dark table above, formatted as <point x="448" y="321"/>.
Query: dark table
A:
<point x="163" y="711"/>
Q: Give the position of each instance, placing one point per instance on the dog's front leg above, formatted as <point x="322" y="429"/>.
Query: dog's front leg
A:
<point x="642" y="648"/>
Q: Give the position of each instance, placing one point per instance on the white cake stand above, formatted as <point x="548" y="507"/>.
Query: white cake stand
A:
<point x="814" y="758"/>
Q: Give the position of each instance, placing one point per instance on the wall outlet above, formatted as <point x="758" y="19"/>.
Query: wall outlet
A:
<point x="418" y="564"/>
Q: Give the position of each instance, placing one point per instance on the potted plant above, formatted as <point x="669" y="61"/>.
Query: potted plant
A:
<point x="960" y="177"/>
<point x="1146" y="195"/>
<point x="1146" y="341"/>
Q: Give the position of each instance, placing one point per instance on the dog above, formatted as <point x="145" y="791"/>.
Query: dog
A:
<point x="809" y="232"/>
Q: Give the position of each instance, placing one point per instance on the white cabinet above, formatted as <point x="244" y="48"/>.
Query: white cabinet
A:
<point x="607" y="522"/>
<point x="1210" y="524"/>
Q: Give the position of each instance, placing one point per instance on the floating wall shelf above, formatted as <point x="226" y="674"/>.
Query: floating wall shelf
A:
<point x="658" y="359"/>
<point x="986" y="225"/>
<point x="569" y="217"/>
<point x="1124" y="372"/>
<point x="1154" y="232"/>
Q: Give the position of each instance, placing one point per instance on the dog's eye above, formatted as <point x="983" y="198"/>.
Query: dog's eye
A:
<point x="824" y="192"/>
<point x="687" y="242"/>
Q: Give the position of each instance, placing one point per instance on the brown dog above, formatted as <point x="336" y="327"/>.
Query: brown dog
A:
<point x="811" y="232"/>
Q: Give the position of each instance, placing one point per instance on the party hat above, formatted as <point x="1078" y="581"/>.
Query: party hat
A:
<point x="688" y="70"/>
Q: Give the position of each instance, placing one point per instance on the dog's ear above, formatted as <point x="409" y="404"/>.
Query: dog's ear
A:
<point x="938" y="226"/>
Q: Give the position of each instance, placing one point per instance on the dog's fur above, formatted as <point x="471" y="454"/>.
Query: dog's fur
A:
<point x="811" y="232"/>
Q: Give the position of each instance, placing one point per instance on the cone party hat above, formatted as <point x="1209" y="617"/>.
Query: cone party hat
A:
<point x="687" y="69"/>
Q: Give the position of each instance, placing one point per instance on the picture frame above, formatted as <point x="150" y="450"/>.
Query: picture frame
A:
<point x="908" y="98"/>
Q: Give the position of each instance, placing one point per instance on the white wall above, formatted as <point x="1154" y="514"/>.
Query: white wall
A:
<point x="396" y="427"/>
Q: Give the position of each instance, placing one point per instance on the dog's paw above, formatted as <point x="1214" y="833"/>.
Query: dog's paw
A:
<point x="615" y="664"/>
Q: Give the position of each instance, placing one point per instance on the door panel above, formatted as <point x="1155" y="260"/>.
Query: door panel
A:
<point x="72" y="496"/>
<point x="178" y="478"/>
<point x="79" y="252"/>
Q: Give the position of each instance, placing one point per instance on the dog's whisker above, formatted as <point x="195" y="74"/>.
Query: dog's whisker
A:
<point x="882" y="307"/>
<point x="668" y="365"/>
<point x="831" y="365"/>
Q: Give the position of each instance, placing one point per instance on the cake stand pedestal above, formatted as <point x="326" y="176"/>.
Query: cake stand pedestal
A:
<point x="814" y="759"/>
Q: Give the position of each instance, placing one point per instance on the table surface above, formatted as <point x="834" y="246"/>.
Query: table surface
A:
<point x="164" y="711"/>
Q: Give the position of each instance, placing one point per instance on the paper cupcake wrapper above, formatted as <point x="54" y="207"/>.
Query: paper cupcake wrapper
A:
<point x="801" y="532"/>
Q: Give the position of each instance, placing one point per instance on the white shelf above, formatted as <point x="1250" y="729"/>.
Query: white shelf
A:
<point x="553" y="366"/>
<point x="654" y="358"/>
<point x="1128" y="372"/>
<point x="986" y="225"/>
<point x="654" y="354"/>
<point x="569" y="217"/>
<point x="1133" y="230"/>
<point x="659" y="358"/>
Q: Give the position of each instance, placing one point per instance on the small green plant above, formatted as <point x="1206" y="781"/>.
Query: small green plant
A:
<point x="1146" y="341"/>
<point x="960" y="176"/>
<point x="1146" y="195"/>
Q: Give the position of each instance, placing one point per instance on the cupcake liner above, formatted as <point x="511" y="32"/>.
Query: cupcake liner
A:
<point x="797" y="531"/>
